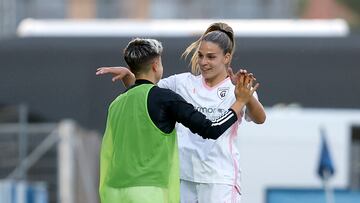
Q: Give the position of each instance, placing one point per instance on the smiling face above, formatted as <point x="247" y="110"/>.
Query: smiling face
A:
<point x="213" y="62"/>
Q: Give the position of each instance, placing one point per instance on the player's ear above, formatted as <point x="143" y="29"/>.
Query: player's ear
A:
<point x="155" y="65"/>
<point x="227" y="58"/>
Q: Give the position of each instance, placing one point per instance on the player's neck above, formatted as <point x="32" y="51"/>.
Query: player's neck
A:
<point x="148" y="77"/>
<point x="211" y="82"/>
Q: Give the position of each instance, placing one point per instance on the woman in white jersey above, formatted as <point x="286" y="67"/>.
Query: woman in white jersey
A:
<point x="209" y="169"/>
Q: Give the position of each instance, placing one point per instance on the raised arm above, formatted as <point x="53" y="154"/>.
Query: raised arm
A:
<point x="197" y="122"/>
<point x="254" y="109"/>
<point x="119" y="73"/>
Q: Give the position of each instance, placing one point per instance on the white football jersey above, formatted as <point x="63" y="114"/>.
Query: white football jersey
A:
<point x="206" y="160"/>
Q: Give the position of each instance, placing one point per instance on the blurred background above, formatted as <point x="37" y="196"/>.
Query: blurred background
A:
<point x="304" y="53"/>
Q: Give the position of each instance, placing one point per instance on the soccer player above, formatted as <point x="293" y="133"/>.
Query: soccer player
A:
<point x="203" y="180"/>
<point x="139" y="156"/>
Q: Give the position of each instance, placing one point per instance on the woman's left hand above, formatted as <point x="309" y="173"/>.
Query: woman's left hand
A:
<point x="235" y="77"/>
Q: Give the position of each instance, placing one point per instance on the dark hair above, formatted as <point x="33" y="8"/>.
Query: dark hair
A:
<point x="219" y="33"/>
<point x="139" y="52"/>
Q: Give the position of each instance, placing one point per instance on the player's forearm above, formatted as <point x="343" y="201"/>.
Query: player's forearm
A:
<point x="129" y="80"/>
<point x="256" y="111"/>
<point x="237" y="107"/>
<point x="215" y="128"/>
<point x="198" y="123"/>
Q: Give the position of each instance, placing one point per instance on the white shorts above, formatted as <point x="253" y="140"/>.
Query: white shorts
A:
<point x="191" y="192"/>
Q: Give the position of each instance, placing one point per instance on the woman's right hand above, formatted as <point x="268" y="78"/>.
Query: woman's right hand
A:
<point x="119" y="73"/>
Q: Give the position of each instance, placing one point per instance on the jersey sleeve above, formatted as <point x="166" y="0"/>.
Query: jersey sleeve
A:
<point x="174" y="82"/>
<point x="168" y="83"/>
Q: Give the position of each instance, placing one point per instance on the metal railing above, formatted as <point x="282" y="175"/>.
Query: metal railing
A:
<point x="62" y="155"/>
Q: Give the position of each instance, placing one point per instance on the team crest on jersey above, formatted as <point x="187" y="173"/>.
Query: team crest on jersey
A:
<point x="222" y="92"/>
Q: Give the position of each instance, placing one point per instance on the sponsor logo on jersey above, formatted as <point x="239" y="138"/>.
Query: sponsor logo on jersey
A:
<point x="209" y="110"/>
<point x="222" y="92"/>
